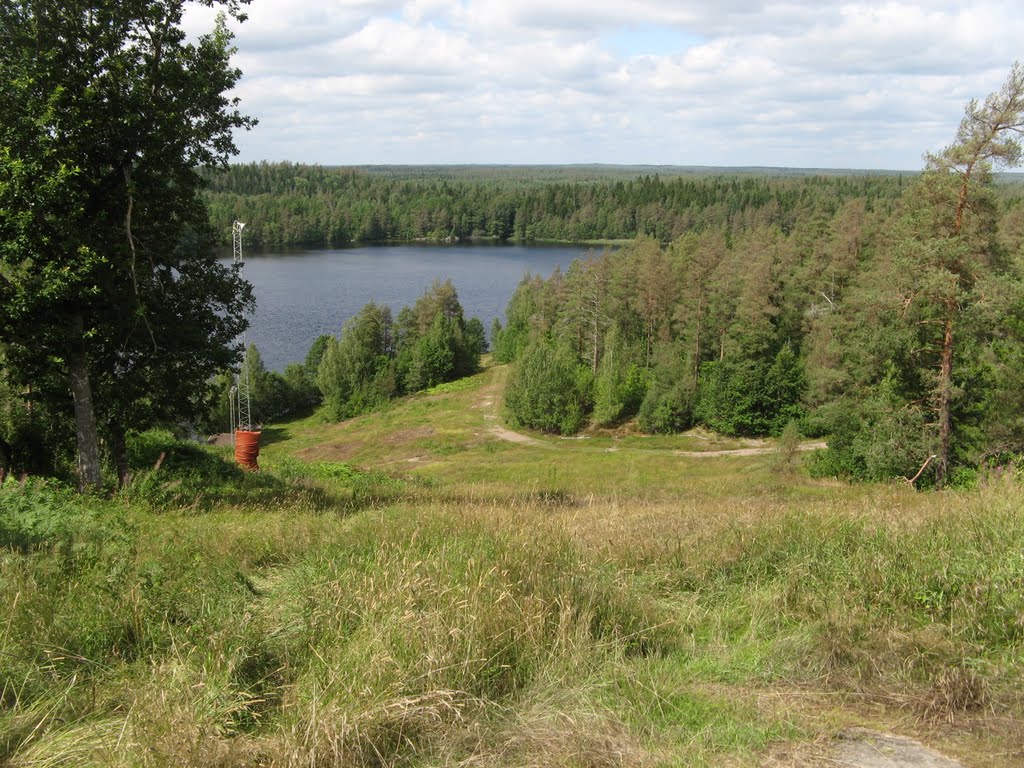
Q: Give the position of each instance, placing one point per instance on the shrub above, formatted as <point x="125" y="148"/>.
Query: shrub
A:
<point x="751" y="397"/>
<point x="876" y="439"/>
<point x="543" y="391"/>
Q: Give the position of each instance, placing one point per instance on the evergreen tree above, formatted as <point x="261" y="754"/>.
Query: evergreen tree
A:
<point x="987" y="138"/>
<point x="544" y="392"/>
<point x="655" y="296"/>
<point x="750" y="396"/>
<point x="668" y="403"/>
<point x="923" y="322"/>
<point x="434" y="355"/>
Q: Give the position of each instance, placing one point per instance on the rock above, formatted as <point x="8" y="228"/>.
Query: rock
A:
<point x="861" y="748"/>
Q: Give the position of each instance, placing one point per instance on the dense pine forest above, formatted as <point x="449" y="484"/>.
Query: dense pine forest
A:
<point x="894" y="326"/>
<point x="286" y="204"/>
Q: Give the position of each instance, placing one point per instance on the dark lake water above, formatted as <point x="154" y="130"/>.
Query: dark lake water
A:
<point x="303" y="294"/>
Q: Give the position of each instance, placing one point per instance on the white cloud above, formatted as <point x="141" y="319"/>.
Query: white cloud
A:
<point x="736" y="82"/>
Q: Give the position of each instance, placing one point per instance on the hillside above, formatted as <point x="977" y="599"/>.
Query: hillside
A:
<point x="414" y="587"/>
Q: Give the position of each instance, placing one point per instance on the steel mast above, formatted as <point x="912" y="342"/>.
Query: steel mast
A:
<point x="242" y="391"/>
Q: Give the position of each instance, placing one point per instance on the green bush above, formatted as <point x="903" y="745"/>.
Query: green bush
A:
<point x="354" y="373"/>
<point x="877" y="438"/>
<point x="189" y="475"/>
<point x="544" y="391"/>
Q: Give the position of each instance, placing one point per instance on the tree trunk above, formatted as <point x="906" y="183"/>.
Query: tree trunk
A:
<point x="119" y="452"/>
<point x="650" y="343"/>
<point x="6" y="459"/>
<point x="696" y="344"/>
<point x="945" y="400"/>
<point x="85" y="415"/>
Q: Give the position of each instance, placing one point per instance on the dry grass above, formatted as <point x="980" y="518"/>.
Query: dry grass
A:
<point x="491" y="606"/>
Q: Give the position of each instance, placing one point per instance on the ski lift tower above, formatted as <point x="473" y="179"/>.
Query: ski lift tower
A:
<point x="245" y="435"/>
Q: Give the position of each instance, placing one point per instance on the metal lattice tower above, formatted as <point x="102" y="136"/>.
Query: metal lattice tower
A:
<point x="241" y="398"/>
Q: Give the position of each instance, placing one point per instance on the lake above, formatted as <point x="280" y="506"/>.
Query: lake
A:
<point x="301" y="294"/>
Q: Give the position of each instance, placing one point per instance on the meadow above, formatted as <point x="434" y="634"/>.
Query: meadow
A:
<point x="420" y="586"/>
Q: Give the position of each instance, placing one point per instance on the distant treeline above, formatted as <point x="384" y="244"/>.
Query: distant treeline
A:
<point x="285" y="204"/>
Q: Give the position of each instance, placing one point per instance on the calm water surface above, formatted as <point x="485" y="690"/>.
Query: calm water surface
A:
<point x="303" y="294"/>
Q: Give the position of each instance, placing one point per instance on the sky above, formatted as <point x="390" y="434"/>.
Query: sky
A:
<point x="796" y="83"/>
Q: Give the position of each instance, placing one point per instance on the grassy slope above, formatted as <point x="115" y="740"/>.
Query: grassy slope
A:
<point x="408" y="589"/>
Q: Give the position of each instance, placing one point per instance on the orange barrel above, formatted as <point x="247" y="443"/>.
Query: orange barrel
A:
<point x="247" y="448"/>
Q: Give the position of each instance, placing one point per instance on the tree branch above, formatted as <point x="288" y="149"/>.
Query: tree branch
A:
<point x="913" y="480"/>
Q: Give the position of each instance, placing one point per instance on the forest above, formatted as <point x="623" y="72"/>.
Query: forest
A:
<point x="752" y="305"/>
<point x="285" y="204"/>
<point x="812" y="306"/>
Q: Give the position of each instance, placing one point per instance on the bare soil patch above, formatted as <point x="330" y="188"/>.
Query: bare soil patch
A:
<point x="330" y="451"/>
<point x="408" y="435"/>
<point x="518" y="438"/>
<point x="746" y="451"/>
<point x="224" y="438"/>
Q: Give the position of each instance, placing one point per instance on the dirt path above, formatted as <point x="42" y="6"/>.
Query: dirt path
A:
<point x="747" y="451"/>
<point x="488" y="404"/>
<point x="502" y="433"/>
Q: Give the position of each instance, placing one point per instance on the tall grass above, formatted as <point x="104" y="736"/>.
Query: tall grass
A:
<point x="321" y="615"/>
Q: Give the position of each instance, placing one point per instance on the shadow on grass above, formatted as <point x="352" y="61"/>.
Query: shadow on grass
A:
<point x="183" y="476"/>
<point x="271" y="435"/>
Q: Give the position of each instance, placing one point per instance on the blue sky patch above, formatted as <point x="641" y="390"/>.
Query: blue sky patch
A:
<point x="650" y="40"/>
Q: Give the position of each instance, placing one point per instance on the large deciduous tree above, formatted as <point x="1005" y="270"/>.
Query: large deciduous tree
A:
<point x="106" y="272"/>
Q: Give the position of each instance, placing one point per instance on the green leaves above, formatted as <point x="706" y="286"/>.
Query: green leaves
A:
<point x="376" y="358"/>
<point x="544" y="391"/>
<point x="109" y="114"/>
<point x="751" y="397"/>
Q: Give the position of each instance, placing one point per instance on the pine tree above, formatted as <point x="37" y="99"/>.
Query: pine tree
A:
<point x="987" y="138"/>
